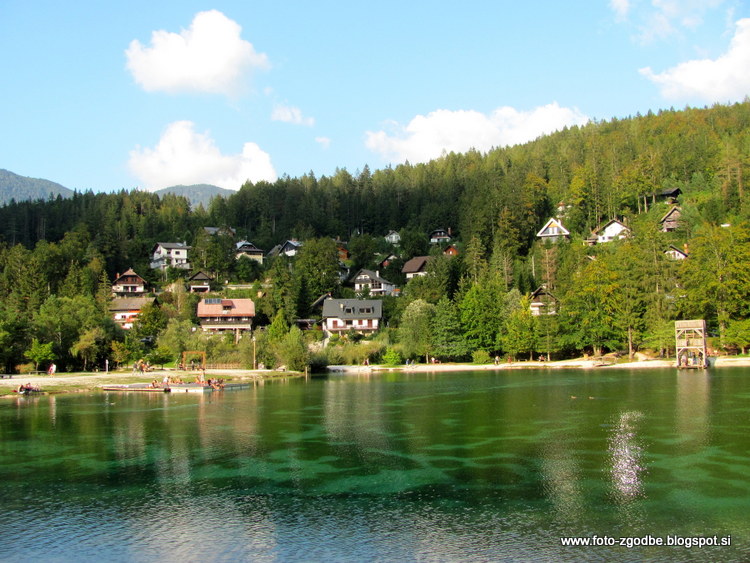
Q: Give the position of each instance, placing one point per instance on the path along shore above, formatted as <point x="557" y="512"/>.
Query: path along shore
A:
<point x="86" y="382"/>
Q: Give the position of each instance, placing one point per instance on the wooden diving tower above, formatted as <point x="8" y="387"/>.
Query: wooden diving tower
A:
<point x="690" y="342"/>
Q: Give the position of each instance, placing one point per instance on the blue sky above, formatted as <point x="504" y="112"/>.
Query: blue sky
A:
<point x="111" y="95"/>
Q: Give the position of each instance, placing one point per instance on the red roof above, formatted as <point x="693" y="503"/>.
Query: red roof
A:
<point x="226" y="308"/>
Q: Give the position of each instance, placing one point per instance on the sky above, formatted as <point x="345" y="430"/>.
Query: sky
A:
<point x="115" y="95"/>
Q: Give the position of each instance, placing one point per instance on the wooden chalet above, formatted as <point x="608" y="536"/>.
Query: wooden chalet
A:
<point x="671" y="220"/>
<point x="219" y="315"/>
<point x="246" y="249"/>
<point x="287" y="248"/>
<point x="451" y="250"/>
<point x="129" y="284"/>
<point x="199" y="282"/>
<point x="543" y="302"/>
<point x="417" y="266"/>
<point x="359" y="315"/>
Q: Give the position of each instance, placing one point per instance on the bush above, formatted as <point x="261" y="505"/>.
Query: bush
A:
<point x="392" y="357"/>
<point x="480" y="357"/>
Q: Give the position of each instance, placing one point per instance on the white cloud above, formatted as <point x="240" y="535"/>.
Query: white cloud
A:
<point x="662" y="19"/>
<point x="210" y="56"/>
<point x="713" y="80"/>
<point x="426" y="137"/>
<point x="324" y="142"/>
<point x="290" y="114"/>
<point x="183" y="156"/>
<point x="620" y="8"/>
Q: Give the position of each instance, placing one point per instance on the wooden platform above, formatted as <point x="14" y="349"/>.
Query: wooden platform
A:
<point x="174" y="388"/>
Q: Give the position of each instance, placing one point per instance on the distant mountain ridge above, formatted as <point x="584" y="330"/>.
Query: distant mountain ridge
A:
<point x="197" y="193"/>
<point x="22" y="188"/>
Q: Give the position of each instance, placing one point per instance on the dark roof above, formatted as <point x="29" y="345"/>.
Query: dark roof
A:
<point x="374" y="276"/>
<point x="130" y="303"/>
<point x="415" y="265"/>
<point x="670" y="192"/>
<point x="199" y="276"/>
<point x="353" y="308"/>
<point x="171" y="245"/>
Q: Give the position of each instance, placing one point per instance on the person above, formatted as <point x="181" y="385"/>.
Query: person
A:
<point x="52" y="369"/>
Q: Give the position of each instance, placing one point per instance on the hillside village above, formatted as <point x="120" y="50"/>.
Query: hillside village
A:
<point x="594" y="240"/>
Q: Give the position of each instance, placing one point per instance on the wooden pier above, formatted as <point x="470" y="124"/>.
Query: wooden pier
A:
<point x="174" y="388"/>
<point x="690" y="343"/>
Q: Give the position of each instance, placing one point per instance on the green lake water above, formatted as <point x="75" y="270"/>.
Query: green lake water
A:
<point x="466" y="466"/>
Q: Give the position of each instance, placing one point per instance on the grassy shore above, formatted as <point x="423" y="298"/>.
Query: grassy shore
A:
<point x="87" y="382"/>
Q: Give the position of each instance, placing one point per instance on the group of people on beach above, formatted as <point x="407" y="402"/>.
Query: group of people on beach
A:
<point x="141" y="366"/>
<point x="28" y="388"/>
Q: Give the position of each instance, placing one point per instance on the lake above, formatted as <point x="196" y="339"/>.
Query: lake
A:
<point x="462" y="466"/>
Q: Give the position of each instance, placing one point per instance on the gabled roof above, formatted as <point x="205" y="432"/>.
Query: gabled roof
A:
<point x="247" y="246"/>
<point x="673" y="249"/>
<point x="130" y="303"/>
<point x="542" y="290"/>
<point x="674" y="209"/>
<point x="353" y="308"/>
<point x="415" y="265"/>
<point x="200" y="276"/>
<point x="553" y="228"/>
<point x="374" y="276"/>
<point x="611" y="222"/>
<point x="171" y="245"/>
<point x="216" y="307"/>
<point x="128" y="273"/>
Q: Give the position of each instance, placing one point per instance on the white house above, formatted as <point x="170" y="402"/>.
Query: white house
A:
<point x="369" y="281"/>
<point x="613" y="230"/>
<point x="393" y="238"/>
<point x="360" y="315"/>
<point x="170" y="255"/>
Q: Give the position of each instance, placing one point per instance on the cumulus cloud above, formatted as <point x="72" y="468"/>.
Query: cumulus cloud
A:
<point x="426" y="137"/>
<point x="324" y="142"/>
<point x="713" y="80"/>
<point x="290" y="114"/>
<point x="209" y="56"/>
<point x="183" y="156"/>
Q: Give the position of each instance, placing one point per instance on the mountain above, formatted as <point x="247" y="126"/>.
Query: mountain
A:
<point x="197" y="193"/>
<point x="21" y="188"/>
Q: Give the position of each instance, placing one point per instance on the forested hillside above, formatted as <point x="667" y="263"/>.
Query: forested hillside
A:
<point x="618" y="296"/>
<point x="21" y="188"/>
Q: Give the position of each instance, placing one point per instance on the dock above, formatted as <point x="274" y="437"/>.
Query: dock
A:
<point x="173" y="388"/>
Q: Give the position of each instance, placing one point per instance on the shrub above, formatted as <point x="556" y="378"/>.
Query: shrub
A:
<point x="392" y="357"/>
<point x="481" y="357"/>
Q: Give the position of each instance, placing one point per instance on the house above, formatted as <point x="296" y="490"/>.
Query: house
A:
<point x="343" y="252"/>
<point x="224" y="231"/>
<point x="128" y="284"/>
<point x="671" y="220"/>
<point x="393" y="238"/>
<point x="543" y="302"/>
<point x="219" y="315"/>
<point x="553" y="230"/>
<point x="360" y="315"/>
<point x="385" y="262"/>
<point x="369" y="281"/>
<point x="417" y="266"/>
<point x="170" y="255"/>
<point x="451" y="250"/>
<point x="612" y="230"/>
<point x="288" y="248"/>
<point x="669" y="194"/>
<point x="248" y="250"/>
<point x="199" y="282"/>
<point x="125" y="310"/>
<point x="674" y="253"/>
<point x="440" y="235"/>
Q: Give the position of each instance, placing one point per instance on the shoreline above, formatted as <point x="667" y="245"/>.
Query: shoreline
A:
<point x="81" y="382"/>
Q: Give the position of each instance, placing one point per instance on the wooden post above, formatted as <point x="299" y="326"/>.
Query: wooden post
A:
<point x="690" y="343"/>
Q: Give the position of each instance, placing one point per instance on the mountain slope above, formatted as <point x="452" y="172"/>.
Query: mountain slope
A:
<point x="22" y="188"/>
<point x="197" y="193"/>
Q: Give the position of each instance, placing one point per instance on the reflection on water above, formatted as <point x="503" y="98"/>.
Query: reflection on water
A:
<point x="472" y="466"/>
